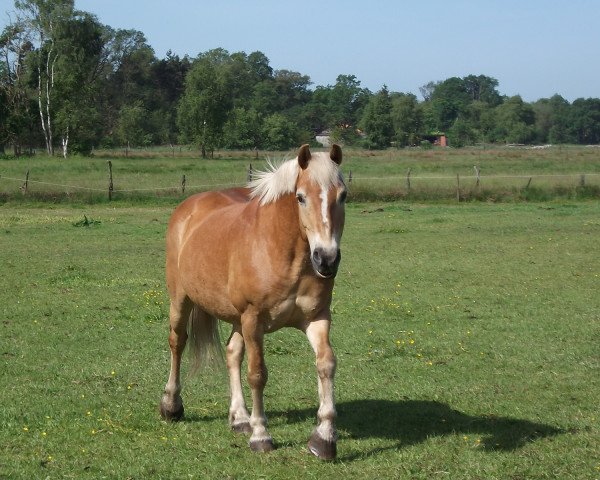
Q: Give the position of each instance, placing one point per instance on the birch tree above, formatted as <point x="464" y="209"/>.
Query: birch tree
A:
<point x="42" y="19"/>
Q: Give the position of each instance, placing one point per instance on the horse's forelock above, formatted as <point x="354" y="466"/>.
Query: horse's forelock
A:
<point x="280" y="179"/>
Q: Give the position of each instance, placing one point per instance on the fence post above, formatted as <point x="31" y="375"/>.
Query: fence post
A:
<point x="581" y="180"/>
<point x="350" y="177"/>
<point x="457" y="188"/>
<point x="528" y="183"/>
<point x="183" y="184"/>
<point x="26" y="184"/>
<point x="408" y="179"/>
<point x="478" y="175"/>
<point x="110" y="181"/>
<point x="249" y="173"/>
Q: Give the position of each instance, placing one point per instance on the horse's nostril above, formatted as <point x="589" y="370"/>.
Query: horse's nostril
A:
<point x="317" y="257"/>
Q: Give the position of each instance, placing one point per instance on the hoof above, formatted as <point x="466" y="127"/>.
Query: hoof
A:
<point x="325" y="450"/>
<point x="171" y="411"/>
<point x="242" y="427"/>
<point x="262" y="446"/>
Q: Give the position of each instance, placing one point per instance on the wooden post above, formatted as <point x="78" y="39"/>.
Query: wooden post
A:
<point x="581" y="180"/>
<point x="478" y="175"/>
<point x="183" y="184"/>
<point x="110" y="181"/>
<point x="26" y="184"/>
<point x="457" y="188"/>
<point x="256" y="153"/>
<point x="350" y="177"/>
<point x="249" y="173"/>
<point x="528" y="183"/>
<point x="408" y="179"/>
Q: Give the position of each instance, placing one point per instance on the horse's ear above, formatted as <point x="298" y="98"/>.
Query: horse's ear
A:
<point x="336" y="154"/>
<point x="303" y="156"/>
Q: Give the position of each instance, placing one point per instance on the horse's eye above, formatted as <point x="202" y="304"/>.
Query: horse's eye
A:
<point x="301" y="199"/>
<point x="343" y="196"/>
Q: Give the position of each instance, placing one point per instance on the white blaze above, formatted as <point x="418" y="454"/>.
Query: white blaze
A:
<point x="323" y="196"/>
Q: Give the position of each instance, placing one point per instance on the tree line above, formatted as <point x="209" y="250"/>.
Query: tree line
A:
<point x="70" y="84"/>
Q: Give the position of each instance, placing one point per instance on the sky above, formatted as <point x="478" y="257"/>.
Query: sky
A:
<point x="534" y="48"/>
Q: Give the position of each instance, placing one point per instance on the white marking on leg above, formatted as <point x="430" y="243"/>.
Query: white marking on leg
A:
<point x="318" y="335"/>
<point x="238" y="414"/>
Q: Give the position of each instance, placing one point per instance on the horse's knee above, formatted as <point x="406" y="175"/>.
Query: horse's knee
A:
<point x="234" y="353"/>
<point x="326" y="365"/>
<point x="257" y="378"/>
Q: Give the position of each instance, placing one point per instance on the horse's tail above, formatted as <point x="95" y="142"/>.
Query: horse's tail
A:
<point x="206" y="350"/>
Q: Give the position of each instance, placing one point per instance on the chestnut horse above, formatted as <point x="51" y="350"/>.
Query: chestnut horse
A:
<point x="260" y="258"/>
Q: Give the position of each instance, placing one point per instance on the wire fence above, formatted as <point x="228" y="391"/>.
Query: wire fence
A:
<point x="408" y="183"/>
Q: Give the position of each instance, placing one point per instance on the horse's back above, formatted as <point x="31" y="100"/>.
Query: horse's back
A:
<point x="198" y="207"/>
<point x="207" y="202"/>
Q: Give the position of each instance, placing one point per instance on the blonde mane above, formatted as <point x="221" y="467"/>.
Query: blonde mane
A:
<point x="280" y="179"/>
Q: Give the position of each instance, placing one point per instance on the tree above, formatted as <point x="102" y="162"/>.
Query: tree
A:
<point x="347" y="100"/>
<point x="131" y="126"/>
<point x="279" y="132"/>
<point x="461" y="133"/>
<point x="337" y="108"/>
<point x="127" y="67"/>
<point x="407" y="119"/>
<point x="376" y="121"/>
<point x="80" y="40"/>
<point x="16" y="109"/>
<point x="243" y="129"/>
<point x="168" y="78"/>
<point x="449" y="99"/>
<point x="514" y="121"/>
<point x="203" y="109"/>
<point x="428" y="89"/>
<point x="44" y="19"/>
<point x="585" y="120"/>
<point x="561" y="113"/>
<point x="483" y="89"/>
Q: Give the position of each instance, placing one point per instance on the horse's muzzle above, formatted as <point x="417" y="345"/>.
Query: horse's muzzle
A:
<point x="326" y="262"/>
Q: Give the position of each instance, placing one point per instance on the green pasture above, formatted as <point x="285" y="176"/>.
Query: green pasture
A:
<point x="506" y="174"/>
<point x="467" y="338"/>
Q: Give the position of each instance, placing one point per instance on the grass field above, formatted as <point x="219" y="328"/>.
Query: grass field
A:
<point x="467" y="338"/>
<point x="507" y="174"/>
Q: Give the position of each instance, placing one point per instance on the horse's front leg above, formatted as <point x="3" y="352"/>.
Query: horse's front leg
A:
<point x="323" y="440"/>
<point x="239" y="419"/>
<point x="253" y="333"/>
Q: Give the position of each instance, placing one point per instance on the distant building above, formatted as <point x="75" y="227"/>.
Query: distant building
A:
<point x="324" y="138"/>
<point x="438" y="139"/>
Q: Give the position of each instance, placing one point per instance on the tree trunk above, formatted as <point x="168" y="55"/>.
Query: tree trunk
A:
<point x="65" y="143"/>
<point x="46" y="92"/>
<point x="41" y="109"/>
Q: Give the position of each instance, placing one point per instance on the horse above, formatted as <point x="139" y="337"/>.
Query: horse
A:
<point x="260" y="258"/>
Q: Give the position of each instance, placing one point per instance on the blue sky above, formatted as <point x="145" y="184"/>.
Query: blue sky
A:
<point x="534" y="48"/>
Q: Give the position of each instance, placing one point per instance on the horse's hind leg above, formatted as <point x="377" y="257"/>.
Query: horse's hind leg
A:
<point x="171" y="404"/>
<point x="239" y="419"/>
<point x="252" y="330"/>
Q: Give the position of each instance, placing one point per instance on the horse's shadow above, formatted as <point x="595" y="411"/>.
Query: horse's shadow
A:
<point x="409" y="422"/>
